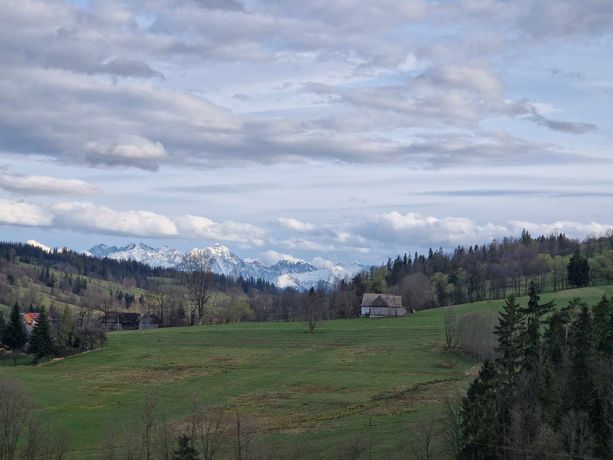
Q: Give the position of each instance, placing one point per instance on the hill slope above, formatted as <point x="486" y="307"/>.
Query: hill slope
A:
<point x="317" y="389"/>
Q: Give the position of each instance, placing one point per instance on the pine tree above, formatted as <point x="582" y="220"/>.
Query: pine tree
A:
<point x="578" y="270"/>
<point x="15" y="336"/>
<point x="186" y="450"/>
<point x="41" y="342"/>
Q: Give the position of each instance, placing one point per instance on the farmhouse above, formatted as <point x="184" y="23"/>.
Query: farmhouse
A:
<point x="379" y="305"/>
<point x="116" y="321"/>
<point x="149" y="322"/>
<point x="29" y="320"/>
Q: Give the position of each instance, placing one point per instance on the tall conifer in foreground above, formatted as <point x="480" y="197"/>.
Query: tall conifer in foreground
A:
<point x="15" y="336"/>
<point x="41" y="342"/>
<point x="535" y="314"/>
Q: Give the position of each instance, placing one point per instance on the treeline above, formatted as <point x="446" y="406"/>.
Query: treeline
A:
<point x="494" y="270"/>
<point x="548" y="392"/>
<point x="184" y="297"/>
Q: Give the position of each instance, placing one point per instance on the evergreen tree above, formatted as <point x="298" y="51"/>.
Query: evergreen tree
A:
<point x="535" y="313"/>
<point x="41" y="342"/>
<point x="578" y="270"/>
<point x="479" y="428"/>
<point x="15" y="336"/>
<point x="186" y="450"/>
<point x="603" y="311"/>
<point x="2" y="328"/>
<point x="509" y="333"/>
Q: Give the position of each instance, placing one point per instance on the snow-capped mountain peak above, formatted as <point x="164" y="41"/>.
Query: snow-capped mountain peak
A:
<point x="287" y="271"/>
<point x="38" y="244"/>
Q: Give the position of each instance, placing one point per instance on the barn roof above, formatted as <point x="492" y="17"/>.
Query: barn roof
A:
<point x="29" y="318"/>
<point x="382" y="300"/>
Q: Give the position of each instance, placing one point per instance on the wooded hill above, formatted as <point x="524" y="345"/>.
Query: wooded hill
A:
<point x="34" y="278"/>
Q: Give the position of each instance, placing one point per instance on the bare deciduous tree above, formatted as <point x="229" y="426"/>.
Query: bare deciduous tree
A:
<point x="198" y="280"/>
<point x="14" y="409"/>
<point x="207" y="429"/>
<point x="451" y="328"/>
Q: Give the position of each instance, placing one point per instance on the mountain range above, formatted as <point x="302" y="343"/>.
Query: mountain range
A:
<point x="286" y="273"/>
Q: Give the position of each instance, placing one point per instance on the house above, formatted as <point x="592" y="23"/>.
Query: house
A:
<point x="381" y="305"/>
<point x="149" y="322"/>
<point x="117" y="321"/>
<point x="29" y="320"/>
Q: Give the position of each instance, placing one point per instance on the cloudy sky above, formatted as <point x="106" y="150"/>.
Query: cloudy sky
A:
<point x="347" y="130"/>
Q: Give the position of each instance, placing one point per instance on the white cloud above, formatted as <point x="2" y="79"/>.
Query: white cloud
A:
<point x="203" y="227"/>
<point x="306" y="245"/>
<point x="420" y="230"/>
<point x="130" y="149"/>
<point x="572" y="229"/>
<point x="296" y="225"/>
<point x="99" y="219"/>
<point x="20" y="213"/>
<point x="271" y="257"/>
<point x="44" y="185"/>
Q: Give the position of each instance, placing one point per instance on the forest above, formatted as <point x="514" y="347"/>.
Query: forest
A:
<point x="33" y="278"/>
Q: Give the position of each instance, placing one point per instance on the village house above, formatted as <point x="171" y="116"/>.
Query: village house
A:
<point x="382" y="305"/>
<point x="118" y="321"/>
<point x="149" y="322"/>
<point x="29" y="320"/>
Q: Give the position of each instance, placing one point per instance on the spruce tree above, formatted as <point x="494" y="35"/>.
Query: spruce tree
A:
<point x="603" y="311"/>
<point x="186" y="450"/>
<point x="578" y="270"/>
<point x="479" y="427"/>
<point x="509" y="333"/>
<point x="41" y="342"/>
<point x="15" y="336"/>
<point x="2" y="328"/>
<point x="535" y="313"/>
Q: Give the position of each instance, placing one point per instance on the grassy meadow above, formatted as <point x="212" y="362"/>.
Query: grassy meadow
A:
<point x="292" y="387"/>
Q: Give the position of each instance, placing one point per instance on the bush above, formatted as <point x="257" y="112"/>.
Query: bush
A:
<point x="476" y="334"/>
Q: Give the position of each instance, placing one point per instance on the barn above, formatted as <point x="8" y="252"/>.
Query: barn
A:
<point x="382" y="305"/>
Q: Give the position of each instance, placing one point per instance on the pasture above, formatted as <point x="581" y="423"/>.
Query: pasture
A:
<point x="317" y="390"/>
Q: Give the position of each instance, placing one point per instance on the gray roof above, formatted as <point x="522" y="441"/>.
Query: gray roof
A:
<point x="382" y="300"/>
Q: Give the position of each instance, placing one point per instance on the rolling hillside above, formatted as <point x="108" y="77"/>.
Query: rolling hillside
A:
<point x="294" y="389"/>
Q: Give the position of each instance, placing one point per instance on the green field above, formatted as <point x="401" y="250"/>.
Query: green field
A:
<point x="292" y="387"/>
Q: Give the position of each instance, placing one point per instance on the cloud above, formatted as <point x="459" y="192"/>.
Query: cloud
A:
<point x="20" y="213"/>
<point x="202" y="227"/>
<point x="423" y="230"/>
<point x="131" y="150"/>
<point x="271" y="257"/>
<point x="563" y="126"/>
<point x="306" y="245"/>
<point x="296" y="225"/>
<point x="44" y="185"/>
<point x="420" y="230"/>
<point x="570" y="228"/>
<point x="100" y="219"/>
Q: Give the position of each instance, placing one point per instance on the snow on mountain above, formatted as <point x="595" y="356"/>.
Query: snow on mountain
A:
<point x="40" y="245"/>
<point x="288" y="272"/>
<point x="161" y="257"/>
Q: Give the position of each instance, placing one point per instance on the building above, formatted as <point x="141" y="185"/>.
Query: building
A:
<point x="382" y="305"/>
<point x="116" y="321"/>
<point x="149" y="322"/>
<point x="29" y="320"/>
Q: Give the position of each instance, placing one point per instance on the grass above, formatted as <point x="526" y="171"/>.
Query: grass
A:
<point x="318" y="388"/>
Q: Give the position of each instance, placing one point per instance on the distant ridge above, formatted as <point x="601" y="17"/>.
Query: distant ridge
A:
<point x="288" y="272"/>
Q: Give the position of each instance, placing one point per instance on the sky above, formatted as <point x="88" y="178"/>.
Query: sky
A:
<point x="327" y="130"/>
